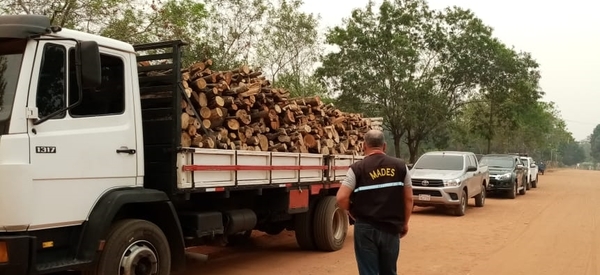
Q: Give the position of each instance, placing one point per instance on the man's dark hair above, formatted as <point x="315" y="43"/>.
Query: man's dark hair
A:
<point x="374" y="139"/>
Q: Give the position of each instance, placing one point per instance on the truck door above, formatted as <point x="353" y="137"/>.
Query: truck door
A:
<point x="74" y="155"/>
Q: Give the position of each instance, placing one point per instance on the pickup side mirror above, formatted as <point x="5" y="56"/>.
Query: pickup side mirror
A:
<point x="89" y="55"/>
<point x="533" y="166"/>
<point x="520" y="166"/>
<point x="471" y="168"/>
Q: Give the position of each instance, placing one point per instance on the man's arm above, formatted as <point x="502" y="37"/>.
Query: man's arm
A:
<point x="408" y="196"/>
<point x="343" y="194"/>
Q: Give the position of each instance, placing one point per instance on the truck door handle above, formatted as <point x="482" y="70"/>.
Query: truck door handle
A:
<point x="125" y="150"/>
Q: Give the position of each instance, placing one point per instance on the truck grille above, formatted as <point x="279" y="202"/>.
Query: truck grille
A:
<point x="430" y="183"/>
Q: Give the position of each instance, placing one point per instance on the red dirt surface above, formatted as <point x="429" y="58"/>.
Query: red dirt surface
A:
<point x="553" y="229"/>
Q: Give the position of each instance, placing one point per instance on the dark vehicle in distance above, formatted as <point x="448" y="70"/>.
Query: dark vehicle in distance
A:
<point x="541" y="167"/>
<point x="507" y="174"/>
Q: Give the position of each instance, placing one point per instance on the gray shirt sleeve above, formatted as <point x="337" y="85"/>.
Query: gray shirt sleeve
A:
<point x="350" y="180"/>
<point x="407" y="178"/>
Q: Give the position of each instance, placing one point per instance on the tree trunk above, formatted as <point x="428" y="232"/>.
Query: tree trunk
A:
<point x="397" y="138"/>
<point x="413" y="148"/>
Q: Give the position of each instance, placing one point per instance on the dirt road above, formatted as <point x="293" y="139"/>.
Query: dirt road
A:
<point x="551" y="230"/>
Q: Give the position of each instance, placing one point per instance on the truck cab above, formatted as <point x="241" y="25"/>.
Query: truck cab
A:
<point x="93" y="176"/>
<point x="448" y="179"/>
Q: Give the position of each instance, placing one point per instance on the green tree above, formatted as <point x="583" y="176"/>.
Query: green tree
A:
<point x="595" y="143"/>
<point x="408" y="63"/>
<point x="571" y="153"/>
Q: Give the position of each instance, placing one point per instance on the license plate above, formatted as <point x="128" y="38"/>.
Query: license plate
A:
<point x="424" y="197"/>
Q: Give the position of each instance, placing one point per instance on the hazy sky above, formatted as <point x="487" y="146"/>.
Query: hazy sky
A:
<point x="564" y="37"/>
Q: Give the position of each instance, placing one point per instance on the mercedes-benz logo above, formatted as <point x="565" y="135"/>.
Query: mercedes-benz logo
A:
<point x="425" y="183"/>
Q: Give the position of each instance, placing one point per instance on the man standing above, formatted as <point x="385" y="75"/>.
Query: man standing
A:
<point x="377" y="192"/>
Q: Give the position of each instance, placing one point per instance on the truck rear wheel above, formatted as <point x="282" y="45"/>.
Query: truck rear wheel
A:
<point x="134" y="247"/>
<point x="330" y="225"/>
<point x="303" y="227"/>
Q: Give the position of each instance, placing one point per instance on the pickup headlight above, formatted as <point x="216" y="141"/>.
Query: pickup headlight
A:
<point x="454" y="182"/>
<point x="504" y="176"/>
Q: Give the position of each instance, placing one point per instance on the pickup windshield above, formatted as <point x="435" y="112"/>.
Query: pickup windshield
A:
<point x="11" y="55"/>
<point x="498" y="162"/>
<point x="440" y="162"/>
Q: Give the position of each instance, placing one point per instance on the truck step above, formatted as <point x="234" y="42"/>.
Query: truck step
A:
<point x="60" y="265"/>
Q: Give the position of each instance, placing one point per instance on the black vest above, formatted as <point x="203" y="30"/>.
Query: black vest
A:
<point x="378" y="198"/>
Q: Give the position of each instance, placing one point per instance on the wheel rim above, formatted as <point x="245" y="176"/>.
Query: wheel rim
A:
<point x="338" y="223"/>
<point x="140" y="258"/>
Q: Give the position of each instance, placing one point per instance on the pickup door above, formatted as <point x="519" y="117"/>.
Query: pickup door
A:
<point x="474" y="178"/>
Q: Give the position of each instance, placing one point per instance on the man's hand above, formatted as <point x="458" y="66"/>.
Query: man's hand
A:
<point x="404" y="231"/>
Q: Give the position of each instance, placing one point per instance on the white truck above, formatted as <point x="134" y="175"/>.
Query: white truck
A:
<point x="93" y="176"/>
<point x="531" y="170"/>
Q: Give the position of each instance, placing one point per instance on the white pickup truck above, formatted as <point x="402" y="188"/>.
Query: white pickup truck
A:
<point x="532" y="172"/>
<point x="449" y="179"/>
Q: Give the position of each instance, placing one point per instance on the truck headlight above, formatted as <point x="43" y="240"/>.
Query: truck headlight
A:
<point x="504" y="176"/>
<point x="454" y="182"/>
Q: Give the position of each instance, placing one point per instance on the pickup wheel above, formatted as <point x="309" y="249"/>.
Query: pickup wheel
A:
<point x="134" y="247"/>
<point x="524" y="190"/>
<point x="330" y="225"/>
<point x="480" y="198"/>
<point x="534" y="183"/>
<point x="513" y="193"/>
<point x="462" y="208"/>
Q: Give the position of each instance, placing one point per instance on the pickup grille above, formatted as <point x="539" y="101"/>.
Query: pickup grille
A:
<point x="431" y="183"/>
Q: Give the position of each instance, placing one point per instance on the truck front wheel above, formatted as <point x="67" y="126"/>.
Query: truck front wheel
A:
<point x="330" y="225"/>
<point x="134" y="247"/>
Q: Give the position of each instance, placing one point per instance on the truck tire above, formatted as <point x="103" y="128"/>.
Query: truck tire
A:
<point x="513" y="193"/>
<point x="480" y="198"/>
<point x="528" y="185"/>
<point x="303" y="227"/>
<point x="534" y="183"/>
<point x="330" y="225"/>
<point x="462" y="208"/>
<point x="137" y="245"/>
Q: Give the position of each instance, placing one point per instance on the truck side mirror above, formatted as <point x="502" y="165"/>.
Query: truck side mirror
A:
<point x="471" y="168"/>
<point x="520" y="166"/>
<point x="89" y="53"/>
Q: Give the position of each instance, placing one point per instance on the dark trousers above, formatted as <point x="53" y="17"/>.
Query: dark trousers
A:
<point x="376" y="251"/>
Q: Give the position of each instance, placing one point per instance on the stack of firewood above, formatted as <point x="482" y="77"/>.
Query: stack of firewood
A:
<point x="239" y="109"/>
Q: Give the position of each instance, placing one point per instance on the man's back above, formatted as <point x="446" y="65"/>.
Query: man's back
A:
<point x="378" y="198"/>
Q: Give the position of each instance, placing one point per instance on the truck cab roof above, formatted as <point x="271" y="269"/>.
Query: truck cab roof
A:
<point x="26" y="26"/>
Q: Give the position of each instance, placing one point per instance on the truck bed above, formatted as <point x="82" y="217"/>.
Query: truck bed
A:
<point x="215" y="169"/>
<point x="175" y="169"/>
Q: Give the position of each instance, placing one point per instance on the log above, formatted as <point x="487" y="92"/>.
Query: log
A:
<point x="243" y="111"/>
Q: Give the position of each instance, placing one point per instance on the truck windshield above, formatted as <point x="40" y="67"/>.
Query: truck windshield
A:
<point x="498" y="162"/>
<point x="11" y="55"/>
<point x="440" y="162"/>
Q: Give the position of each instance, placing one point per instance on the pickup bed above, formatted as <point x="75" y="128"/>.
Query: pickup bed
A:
<point x="448" y="179"/>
